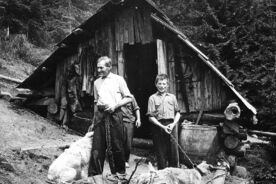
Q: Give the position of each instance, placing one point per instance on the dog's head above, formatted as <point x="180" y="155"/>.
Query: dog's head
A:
<point x="203" y="167"/>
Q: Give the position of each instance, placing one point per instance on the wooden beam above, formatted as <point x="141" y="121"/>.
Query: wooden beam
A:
<point x="5" y="95"/>
<point x="161" y="57"/>
<point x="42" y="102"/>
<point x="10" y="79"/>
<point x="21" y="92"/>
<point x="39" y="147"/>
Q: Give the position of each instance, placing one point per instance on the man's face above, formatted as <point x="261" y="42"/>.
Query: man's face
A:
<point x="102" y="69"/>
<point x="162" y="85"/>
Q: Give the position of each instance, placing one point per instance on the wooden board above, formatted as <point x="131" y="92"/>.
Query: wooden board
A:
<point x="147" y="28"/>
<point x="171" y="68"/>
<point x="117" y="33"/>
<point x="161" y="57"/>
<point x="121" y="64"/>
<point x="131" y="39"/>
<point x="136" y="27"/>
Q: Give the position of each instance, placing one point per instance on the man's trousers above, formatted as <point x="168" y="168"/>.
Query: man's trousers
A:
<point x="108" y="136"/>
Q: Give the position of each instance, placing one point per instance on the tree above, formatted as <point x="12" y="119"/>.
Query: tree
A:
<point x="36" y="10"/>
<point x="239" y="36"/>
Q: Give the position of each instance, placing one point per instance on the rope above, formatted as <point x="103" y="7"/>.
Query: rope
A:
<point x="87" y="119"/>
<point x="182" y="150"/>
<point x="137" y="163"/>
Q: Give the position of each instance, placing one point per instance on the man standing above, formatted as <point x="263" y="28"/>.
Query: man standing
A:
<point x="110" y="93"/>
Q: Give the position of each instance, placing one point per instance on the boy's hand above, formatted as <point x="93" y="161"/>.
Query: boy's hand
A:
<point x="167" y="129"/>
<point x="138" y="123"/>
<point x="170" y="126"/>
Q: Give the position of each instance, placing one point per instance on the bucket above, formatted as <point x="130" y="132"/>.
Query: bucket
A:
<point x="198" y="140"/>
<point x="81" y="121"/>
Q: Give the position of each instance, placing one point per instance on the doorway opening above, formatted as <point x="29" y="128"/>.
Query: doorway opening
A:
<point x="141" y="70"/>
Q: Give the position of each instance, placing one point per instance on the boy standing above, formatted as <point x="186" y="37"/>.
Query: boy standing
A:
<point x="131" y="117"/>
<point x="163" y="112"/>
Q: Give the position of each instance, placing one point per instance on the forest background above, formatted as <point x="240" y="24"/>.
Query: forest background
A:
<point x="238" y="36"/>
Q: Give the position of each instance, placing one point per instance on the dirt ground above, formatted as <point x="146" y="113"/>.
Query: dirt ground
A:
<point x="29" y="143"/>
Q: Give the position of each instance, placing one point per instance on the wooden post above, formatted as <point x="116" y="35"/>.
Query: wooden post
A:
<point x="161" y="57"/>
<point x="121" y="64"/>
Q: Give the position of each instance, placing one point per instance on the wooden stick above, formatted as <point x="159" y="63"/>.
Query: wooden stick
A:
<point x="270" y="134"/>
<point x="199" y="115"/>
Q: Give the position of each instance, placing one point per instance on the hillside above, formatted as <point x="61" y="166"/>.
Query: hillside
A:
<point x="30" y="29"/>
<point x="28" y="144"/>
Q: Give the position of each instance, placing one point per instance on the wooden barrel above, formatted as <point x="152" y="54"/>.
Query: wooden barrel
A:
<point x="198" y="140"/>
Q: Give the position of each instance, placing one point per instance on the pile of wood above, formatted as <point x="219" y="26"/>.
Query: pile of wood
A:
<point x="232" y="133"/>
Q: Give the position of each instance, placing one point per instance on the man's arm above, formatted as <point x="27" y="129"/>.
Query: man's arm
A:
<point x="91" y="127"/>
<point x="123" y="102"/>
<point x="127" y="97"/>
<point x="138" y="118"/>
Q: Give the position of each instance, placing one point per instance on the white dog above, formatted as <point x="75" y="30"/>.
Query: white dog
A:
<point x="172" y="175"/>
<point x="72" y="164"/>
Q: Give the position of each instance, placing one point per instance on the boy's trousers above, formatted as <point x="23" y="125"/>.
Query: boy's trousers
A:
<point x="166" y="147"/>
<point x="108" y="135"/>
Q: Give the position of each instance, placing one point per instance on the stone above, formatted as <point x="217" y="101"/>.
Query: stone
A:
<point x="240" y="172"/>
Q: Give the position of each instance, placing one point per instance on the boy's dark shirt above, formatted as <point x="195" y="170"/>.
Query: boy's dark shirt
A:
<point x="129" y="111"/>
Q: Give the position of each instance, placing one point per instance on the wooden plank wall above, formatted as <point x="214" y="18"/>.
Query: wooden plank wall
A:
<point x="133" y="25"/>
<point x="203" y="88"/>
<point x="61" y="75"/>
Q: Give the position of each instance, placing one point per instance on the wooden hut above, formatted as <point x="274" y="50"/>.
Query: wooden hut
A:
<point x="142" y="42"/>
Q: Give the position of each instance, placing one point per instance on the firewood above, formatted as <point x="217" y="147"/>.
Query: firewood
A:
<point x="52" y="108"/>
<point x="231" y="142"/>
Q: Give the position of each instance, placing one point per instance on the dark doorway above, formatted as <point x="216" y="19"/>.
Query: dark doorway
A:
<point x="141" y="69"/>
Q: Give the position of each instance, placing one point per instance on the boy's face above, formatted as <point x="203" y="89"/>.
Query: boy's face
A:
<point x="162" y="85"/>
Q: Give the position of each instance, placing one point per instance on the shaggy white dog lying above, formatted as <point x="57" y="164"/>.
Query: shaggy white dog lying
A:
<point x="72" y="164"/>
<point x="172" y="175"/>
